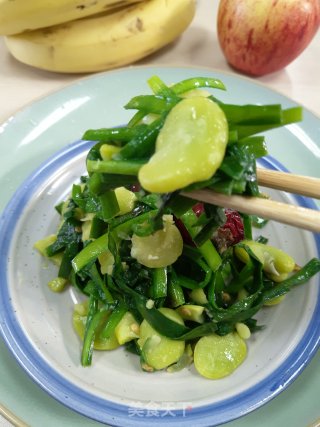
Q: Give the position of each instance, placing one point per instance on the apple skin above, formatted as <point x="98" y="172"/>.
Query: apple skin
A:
<point x="259" y="37"/>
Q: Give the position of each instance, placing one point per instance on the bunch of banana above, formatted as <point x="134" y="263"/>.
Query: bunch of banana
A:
<point x="122" y="32"/>
<point x="17" y="16"/>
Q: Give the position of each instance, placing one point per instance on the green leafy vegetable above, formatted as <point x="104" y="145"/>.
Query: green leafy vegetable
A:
<point x="216" y="291"/>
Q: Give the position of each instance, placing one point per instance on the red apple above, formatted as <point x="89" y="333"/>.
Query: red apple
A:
<point x="258" y="37"/>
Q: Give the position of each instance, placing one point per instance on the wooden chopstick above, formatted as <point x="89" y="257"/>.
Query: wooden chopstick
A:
<point x="297" y="216"/>
<point x="297" y="184"/>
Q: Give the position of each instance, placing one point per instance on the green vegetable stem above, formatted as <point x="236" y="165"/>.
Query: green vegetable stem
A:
<point x="145" y="259"/>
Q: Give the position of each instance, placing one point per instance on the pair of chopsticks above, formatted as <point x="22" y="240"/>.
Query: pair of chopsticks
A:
<point x="297" y="216"/>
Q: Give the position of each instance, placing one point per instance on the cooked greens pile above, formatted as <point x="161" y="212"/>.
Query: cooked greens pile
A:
<point x="173" y="280"/>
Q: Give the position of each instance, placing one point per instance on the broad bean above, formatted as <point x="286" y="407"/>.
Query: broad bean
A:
<point x="276" y="263"/>
<point x="189" y="148"/>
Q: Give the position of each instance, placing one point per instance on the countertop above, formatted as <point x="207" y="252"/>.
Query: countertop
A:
<point x="20" y="85"/>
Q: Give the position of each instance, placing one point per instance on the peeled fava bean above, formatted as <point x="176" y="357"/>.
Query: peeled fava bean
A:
<point x="190" y="146"/>
<point x="161" y="248"/>
<point x="218" y="356"/>
<point x="159" y="351"/>
<point x="277" y="263"/>
<point x="79" y="319"/>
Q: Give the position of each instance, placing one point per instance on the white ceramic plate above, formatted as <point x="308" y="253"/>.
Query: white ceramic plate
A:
<point x="36" y="323"/>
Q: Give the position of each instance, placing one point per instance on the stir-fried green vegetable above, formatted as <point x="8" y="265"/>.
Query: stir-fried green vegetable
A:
<point x="169" y="278"/>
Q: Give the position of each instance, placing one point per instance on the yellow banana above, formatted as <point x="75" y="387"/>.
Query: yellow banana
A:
<point x="17" y="16"/>
<point x="104" y="41"/>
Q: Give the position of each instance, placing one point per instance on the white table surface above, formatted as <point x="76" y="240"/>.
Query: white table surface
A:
<point x="198" y="46"/>
<point x="21" y="84"/>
